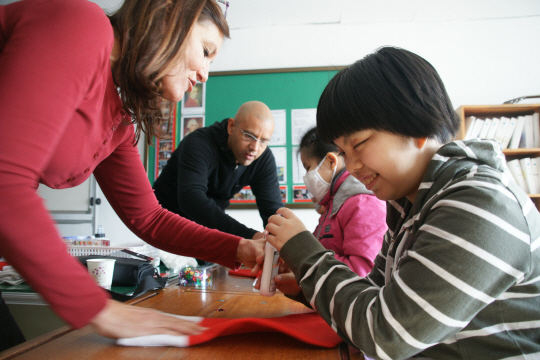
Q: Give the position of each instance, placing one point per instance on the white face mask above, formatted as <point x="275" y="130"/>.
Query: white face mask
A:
<point x="316" y="184"/>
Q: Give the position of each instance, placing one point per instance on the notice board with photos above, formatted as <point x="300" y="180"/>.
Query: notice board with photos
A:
<point x="291" y="94"/>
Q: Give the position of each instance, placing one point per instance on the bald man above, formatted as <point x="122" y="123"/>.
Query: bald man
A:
<point x="213" y="164"/>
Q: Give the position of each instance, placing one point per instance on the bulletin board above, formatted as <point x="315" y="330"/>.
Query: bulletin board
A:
<point x="290" y="93"/>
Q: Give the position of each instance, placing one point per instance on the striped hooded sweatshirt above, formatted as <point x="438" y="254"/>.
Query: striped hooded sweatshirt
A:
<point x="458" y="276"/>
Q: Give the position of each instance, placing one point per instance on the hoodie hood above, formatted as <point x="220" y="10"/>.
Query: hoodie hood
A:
<point x="462" y="155"/>
<point x="459" y="158"/>
<point x="343" y="187"/>
<point x="349" y="188"/>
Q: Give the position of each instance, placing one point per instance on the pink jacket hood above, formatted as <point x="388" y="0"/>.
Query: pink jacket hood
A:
<point x="354" y="223"/>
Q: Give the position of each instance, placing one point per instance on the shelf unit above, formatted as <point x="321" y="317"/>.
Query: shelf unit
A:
<point x="508" y="110"/>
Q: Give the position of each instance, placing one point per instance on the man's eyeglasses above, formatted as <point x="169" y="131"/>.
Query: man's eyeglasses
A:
<point x="251" y="138"/>
<point x="226" y="3"/>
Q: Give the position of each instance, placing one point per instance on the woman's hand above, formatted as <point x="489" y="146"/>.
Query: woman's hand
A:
<point x="249" y="250"/>
<point x="118" y="320"/>
<point x="282" y="227"/>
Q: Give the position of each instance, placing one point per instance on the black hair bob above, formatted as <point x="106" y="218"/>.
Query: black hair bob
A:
<point x="391" y="90"/>
<point x="314" y="146"/>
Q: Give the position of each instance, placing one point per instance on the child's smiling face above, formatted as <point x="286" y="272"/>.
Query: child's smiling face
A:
<point x="391" y="166"/>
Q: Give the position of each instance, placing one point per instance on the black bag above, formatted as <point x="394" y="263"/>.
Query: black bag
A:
<point x="131" y="272"/>
<point x="127" y="271"/>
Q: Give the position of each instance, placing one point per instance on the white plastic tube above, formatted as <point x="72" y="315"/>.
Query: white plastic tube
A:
<point x="270" y="270"/>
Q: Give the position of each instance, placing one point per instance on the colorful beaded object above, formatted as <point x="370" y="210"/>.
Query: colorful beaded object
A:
<point x="193" y="276"/>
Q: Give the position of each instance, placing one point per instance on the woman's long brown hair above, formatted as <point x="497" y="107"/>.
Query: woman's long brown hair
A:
<point x="151" y="33"/>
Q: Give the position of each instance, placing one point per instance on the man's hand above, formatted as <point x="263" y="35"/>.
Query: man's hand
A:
<point x="249" y="250"/>
<point x="118" y="320"/>
<point x="258" y="235"/>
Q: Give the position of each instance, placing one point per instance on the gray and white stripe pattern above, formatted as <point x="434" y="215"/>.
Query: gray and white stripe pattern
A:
<point x="464" y="281"/>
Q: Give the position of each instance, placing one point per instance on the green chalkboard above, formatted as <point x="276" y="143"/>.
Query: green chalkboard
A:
<point x="282" y="89"/>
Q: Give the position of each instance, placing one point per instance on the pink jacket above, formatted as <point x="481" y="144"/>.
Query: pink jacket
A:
<point x="354" y="223"/>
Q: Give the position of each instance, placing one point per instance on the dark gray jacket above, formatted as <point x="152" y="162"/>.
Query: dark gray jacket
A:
<point x="458" y="276"/>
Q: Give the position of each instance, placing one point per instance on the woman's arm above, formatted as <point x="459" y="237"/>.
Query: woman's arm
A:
<point x="125" y="184"/>
<point x="48" y="51"/>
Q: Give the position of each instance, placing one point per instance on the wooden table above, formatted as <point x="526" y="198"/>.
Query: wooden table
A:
<point x="228" y="297"/>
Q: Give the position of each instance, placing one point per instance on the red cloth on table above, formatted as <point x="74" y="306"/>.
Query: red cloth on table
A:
<point x="309" y="328"/>
<point x="244" y="272"/>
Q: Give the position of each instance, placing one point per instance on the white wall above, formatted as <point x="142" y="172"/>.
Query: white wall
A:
<point x="484" y="50"/>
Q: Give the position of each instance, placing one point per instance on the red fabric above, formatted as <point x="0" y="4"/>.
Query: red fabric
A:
<point x="309" y="328"/>
<point x="244" y="272"/>
<point x="61" y="121"/>
<point x="2" y="264"/>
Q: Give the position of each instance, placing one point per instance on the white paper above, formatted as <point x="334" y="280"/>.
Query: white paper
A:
<point x="301" y="121"/>
<point x="536" y="128"/>
<point x="280" y="154"/>
<point x="528" y="174"/>
<point x="298" y="168"/>
<point x="161" y="339"/>
<point x="534" y="167"/>
<point x="469" y="122"/>
<point x="515" y="167"/>
<point x="516" y="136"/>
<point x="279" y="137"/>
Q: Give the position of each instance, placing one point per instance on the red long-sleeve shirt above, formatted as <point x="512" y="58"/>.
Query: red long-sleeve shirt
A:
<point x="60" y="121"/>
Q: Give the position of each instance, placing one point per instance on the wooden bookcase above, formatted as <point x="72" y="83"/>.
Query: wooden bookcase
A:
<point x="508" y="110"/>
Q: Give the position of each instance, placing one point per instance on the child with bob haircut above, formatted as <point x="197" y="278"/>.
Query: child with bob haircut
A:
<point x="458" y="276"/>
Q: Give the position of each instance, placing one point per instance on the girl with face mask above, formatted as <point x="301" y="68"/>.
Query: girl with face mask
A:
<point x="352" y="221"/>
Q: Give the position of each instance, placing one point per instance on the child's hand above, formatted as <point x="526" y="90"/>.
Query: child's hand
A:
<point x="286" y="283"/>
<point x="282" y="227"/>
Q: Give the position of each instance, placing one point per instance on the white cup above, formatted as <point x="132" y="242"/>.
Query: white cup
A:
<point x="102" y="271"/>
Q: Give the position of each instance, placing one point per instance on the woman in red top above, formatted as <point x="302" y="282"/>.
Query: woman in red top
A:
<point x="63" y="65"/>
